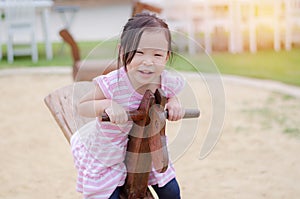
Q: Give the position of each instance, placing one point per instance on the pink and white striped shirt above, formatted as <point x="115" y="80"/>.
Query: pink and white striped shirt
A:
<point x="99" y="148"/>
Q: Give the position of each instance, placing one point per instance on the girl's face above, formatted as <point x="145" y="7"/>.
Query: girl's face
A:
<point x="150" y="59"/>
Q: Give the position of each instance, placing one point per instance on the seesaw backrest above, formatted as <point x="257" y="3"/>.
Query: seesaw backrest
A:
<point x="62" y="103"/>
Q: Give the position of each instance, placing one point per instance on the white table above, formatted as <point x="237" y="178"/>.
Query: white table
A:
<point x="43" y="7"/>
<point x="67" y="14"/>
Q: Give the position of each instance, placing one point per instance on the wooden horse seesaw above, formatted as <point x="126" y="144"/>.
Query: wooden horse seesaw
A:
<point x="147" y="140"/>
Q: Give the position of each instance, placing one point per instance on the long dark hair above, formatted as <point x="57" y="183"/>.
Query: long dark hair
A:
<point x="132" y="32"/>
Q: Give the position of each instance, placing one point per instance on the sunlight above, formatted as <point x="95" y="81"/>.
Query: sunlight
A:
<point x="234" y="18"/>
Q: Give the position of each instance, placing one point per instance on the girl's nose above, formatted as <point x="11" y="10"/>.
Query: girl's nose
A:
<point x="147" y="61"/>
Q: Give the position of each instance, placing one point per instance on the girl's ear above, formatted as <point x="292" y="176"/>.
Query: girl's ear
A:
<point x="120" y="50"/>
<point x="168" y="55"/>
<point x="120" y="54"/>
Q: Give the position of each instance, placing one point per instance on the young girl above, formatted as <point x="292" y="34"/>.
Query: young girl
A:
<point x="99" y="153"/>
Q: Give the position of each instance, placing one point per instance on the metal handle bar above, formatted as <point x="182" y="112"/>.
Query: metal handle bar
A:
<point x="138" y="115"/>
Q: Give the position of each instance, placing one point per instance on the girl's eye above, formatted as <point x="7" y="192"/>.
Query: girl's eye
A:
<point x="139" y="52"/>
<point x="158" y="55"/>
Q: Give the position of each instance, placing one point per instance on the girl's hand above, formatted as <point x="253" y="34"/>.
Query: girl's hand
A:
<point x="175" y="111"/>
<point x="116" y="113"/>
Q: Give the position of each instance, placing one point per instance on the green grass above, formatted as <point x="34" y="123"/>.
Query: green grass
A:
<point x="283" y="66"/>
<point x="62" y="56"/>
<point x="277" y="111"/>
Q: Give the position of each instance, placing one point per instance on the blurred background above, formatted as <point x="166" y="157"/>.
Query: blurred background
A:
<point x="44" y="43"/>
<point x="243" y="37"/>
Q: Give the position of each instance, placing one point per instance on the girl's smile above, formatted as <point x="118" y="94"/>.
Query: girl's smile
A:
<point x="146" y="72"/>
<point x="150" y="59"/>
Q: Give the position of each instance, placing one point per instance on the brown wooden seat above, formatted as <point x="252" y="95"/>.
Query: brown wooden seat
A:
<point x="139" y="7"/>
<point x="62" y="103"/>
<point x="86" y="70"/>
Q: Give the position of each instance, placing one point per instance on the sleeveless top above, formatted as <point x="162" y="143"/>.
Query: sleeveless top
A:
<point x="102" y="145"/>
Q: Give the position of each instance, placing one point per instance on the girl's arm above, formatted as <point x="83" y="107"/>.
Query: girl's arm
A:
<point x="175" y="109"/>
<point x="94" y="103"/>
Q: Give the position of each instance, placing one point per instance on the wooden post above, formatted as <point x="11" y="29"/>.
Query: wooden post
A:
<point x="138" y="158"/>
<point x="146" y="145"/>
<point x="157" y="140"/>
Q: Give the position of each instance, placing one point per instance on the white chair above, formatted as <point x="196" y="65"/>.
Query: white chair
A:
<point x="178" y="15"/>
<point x="292" y="15"/>
<point x="218" y="14"/>
<point x="20" y="22"/>
<point x="264" y="13"/>
<point x="238" y="14"/>
<point x="210" y="16"/>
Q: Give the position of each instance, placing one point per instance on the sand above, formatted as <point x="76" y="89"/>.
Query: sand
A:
<point x="256" y="154"/>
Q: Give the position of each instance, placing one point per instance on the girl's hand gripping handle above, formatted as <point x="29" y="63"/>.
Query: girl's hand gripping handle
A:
<point x="138" y="115"/>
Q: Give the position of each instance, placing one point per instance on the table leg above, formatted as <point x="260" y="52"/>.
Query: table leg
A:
<point x="67" y="23"/>
<point x="67" y="14"/>
<point x="1" y="25"/>
<point x="48" y="45"/>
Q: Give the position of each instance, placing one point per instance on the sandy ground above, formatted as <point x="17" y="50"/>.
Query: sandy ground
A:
<point x="256" y="156"/>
